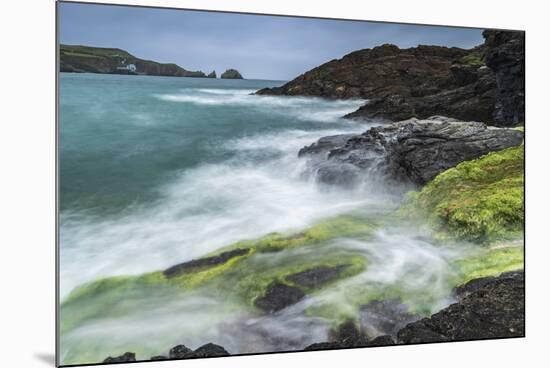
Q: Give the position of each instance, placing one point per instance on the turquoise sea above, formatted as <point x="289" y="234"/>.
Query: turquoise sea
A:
<point x="155" y="171"/>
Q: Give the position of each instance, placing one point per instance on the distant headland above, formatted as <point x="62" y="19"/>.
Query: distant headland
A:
<point x="88" y="59"/>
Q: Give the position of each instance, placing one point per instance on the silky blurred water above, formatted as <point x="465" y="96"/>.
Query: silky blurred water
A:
<point x="158" y="170"/>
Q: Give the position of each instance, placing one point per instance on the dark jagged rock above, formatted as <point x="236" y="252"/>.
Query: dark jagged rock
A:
<point x="326" y="144"/>
<point x="324" y="346"/>
<point x="124" y="358"/>
<point x="474" y="285"/>
<point x="506" y="57"/>
<point x="202" y="263"/>
<point x="412" y="151"/>
<point x="348" y="335"/>
<point x="183" y="352"/>
<point x="279" y="296"/>
<point x="425" y="80"/>
<point x="384" y="317"/>
<point x="382" y="70"/>
<point x="384" y="340"/>
<point x="471" y="101"/>
<point x="231" y="74"/>
<point x="316" y="277"/>
<point x="179" y="352"/>
<point x="491" y="308"/>
<point x="212" y="74"/>
<point x="159" y="357"/>
<point x="208" y="350"/>
<point x="87" y="59"/>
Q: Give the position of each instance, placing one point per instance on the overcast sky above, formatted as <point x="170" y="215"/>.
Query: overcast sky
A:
<point x="260" y="47"/>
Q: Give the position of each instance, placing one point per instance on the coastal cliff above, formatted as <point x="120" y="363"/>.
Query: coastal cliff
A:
<point x="485" y="83"/>
<point x="86" y="59"/>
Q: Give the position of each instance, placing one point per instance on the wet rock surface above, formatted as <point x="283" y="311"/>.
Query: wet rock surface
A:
<point x="208" y="350"/>
<point x="489" y="308"/>
<point x="202" y="263"/>
<point x="279" y="296"/>
<point x="124" y="358"/>
<point x="316" y="277"/>
<point x="412" y="151"/>
<point x="384" y="317"/>
<point x="183" y="352"/>
<point x="179" y="351"/>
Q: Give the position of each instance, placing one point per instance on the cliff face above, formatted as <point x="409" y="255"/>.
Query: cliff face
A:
<point x="85" y="59"/>
<point x="481" y="84"/>
<point x="506" y="57"/>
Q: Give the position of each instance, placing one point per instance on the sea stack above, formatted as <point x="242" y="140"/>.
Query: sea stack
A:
<point x="231" y="74"/>
<point x="212" y="74"/>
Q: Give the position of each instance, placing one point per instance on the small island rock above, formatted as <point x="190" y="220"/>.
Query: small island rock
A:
<point x="231" y="74"/>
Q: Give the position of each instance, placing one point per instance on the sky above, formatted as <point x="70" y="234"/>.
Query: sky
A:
<point x="260" y="47"/>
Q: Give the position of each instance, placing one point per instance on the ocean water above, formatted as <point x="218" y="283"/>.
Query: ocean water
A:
<point x="156" y="171"/>
<point x="159" y="170"/>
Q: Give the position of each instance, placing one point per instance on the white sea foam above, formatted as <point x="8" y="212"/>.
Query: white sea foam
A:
<point x="212" y="205"/>
<point x="303" y="108"/>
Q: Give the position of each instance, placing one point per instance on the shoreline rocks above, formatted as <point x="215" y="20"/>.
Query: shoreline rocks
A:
<point x="485" y="83"/>
<point x="410" y="152"/>
<point x="489" y="307"/>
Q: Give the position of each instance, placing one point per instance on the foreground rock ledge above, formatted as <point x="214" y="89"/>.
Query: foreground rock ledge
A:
<point x="412" y="151"/>
<point x="486" y="308"/>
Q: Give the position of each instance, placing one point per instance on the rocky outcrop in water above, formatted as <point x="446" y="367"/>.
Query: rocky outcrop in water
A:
<point x="279" y="296"/>
<point x="231" y="74"/>
<point x="212" y="74"/>
<point x="412" y="151"/>
<point x="485" y="83"/>
<point x="506" y="57"/>
<point x="203" y="263"/>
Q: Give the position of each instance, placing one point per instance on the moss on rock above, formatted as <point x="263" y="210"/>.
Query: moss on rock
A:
<point x="480" y="200"/>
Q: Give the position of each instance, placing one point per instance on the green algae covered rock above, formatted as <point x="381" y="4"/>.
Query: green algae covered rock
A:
<point x="480" y="200"/>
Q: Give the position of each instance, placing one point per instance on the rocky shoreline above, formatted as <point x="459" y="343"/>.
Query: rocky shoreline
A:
<point x="451" y="129"/>
<point x="485" y="308"/>
<point x="486" y="83"/>
<point x="408" y="152"/>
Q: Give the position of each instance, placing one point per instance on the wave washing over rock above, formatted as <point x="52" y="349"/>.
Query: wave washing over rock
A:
<point x="253" y="248"/>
